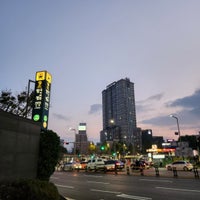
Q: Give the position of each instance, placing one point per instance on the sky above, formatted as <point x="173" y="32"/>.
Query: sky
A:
<point x="87" y="44"/>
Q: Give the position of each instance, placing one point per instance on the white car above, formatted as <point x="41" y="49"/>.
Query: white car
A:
<point x="72" y="166"/>
<point x="112" y="165"/>
<point x="180" y="165"/>
<point x="95" y="164"/>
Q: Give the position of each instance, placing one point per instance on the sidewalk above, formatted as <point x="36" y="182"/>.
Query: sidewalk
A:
<point x="162" y="172"/>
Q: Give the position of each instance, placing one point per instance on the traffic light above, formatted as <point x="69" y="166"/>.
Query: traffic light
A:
<point x="102" y="148"/>
<point x="114" y="154"/>
<point x="66" y="142"/>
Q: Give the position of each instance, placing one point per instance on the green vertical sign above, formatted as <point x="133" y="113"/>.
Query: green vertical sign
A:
<point x="42" y="98"/>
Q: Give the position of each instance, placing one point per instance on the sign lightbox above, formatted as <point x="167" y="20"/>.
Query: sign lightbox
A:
<point x="42" y="98"/>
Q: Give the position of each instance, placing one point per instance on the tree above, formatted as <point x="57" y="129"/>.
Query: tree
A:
<point x="62" y="151"/>
<point x="191" y="139"/>
<point x="91" y="148"/>
<point x="49" y="154"/>
<point x="19" y="104"/>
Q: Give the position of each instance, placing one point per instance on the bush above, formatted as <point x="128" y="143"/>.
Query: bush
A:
<point x="48" y="154"/>
<point x="29" y="190"/>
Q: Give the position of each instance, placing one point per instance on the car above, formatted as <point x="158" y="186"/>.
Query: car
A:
<point x="139" y="164"/>
<point x="72" y="166"/>
<point x="111" y="165"/>
<point x="180" y="165"/>
<point x="120" y="164"/>
<point x="83" y="164"/>
<point x="144" y="164"/>
<point x="95" y="164"/>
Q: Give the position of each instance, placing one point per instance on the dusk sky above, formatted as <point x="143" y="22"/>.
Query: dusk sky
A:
<point x="88" y="44"/>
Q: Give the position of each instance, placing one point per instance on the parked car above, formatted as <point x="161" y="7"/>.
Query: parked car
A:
<point x="144" y="164"/>
<point x="138" y="164"/>
<point x="95" y="164"/>
<point x="120" y="164"/>
<point x="83" y="164"/>
<point x="180" y="165"/>
<point x="111" y="165"/>
<point x="72" y="166"/>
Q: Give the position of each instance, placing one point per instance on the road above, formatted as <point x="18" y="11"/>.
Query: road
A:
<point x="100" y="186"/>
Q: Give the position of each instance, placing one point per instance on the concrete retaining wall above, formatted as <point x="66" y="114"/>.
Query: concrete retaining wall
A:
<point x="19" y="147"/>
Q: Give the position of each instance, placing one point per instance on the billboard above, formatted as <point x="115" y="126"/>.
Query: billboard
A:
<point x="40" y="111"/>
<point x="82" y="127"/>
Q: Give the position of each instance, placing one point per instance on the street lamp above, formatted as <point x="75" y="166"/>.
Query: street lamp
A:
<point x="112" y="122"/>
<point x="177" y="125"/>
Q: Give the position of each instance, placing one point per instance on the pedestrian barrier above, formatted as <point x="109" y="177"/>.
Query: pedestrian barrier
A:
<point x="141" y="171"/>
<point x="128" y="170"/>
<point x="175" y="172"/>
<point x="116" y="170"/>
<point x="196" y="174"/>
<point x="154" y="171"/>
<point x="157" y="171"/>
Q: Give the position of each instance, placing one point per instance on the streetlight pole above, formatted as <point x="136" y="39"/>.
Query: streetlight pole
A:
<point x="27" y="98"/>
<point x="177" y="121"/>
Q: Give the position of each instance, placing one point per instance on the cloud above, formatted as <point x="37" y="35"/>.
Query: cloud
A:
<point x="159" y="121"/>
<point x="146" y="105"/>
<point x="95" y="109"/>
<point x="190" y="106"/>
<point x="61" y="117"/>
<point x="156" y="97"/>
<point x="188" y="115"/>
<point x="143" y="108"/>
<point x="191" y="101"/>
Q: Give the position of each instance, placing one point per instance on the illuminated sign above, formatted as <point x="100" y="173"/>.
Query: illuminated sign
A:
<point x="161" y="150"/>
<point x="42" y="98"/>
<point x="166" y="144"/>
<point x="158" y="156"/>
<point x="82" y="127"/>
<point x="43" y="75"/>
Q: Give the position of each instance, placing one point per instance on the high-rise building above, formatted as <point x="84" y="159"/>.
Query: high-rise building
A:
<point x="119" y="113"/>
<point x="147" y="140"/>
<point x="81" y="143"/>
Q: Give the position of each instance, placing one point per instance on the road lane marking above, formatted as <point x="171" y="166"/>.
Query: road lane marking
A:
<point x="105" y="191"/>
<point x="178" y="189"/>
<point x="95" y="176"/>
<point x="167" y="181"/>
<point x="98" y="182"/>
<point x="64" y="186"/>
<point x="133" y="197"/>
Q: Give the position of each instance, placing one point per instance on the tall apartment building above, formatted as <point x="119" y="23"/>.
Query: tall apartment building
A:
<point x="119" y="113"/>
<point x="81" y="142"/>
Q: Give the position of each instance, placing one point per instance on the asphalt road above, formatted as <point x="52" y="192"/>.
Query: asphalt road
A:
<point x="100" y="186"/>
